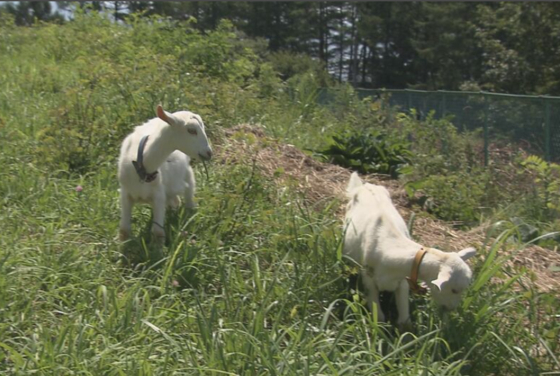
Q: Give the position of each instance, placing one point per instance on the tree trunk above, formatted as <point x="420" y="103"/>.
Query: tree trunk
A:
<point x="341" y="42"/>
<point x="364" y="63"/>
<point x="322" y="55"/>
<point x="353" y="68"/>
<point x="116" y="12"/>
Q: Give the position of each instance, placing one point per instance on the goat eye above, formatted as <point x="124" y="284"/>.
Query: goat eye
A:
<point x="454" y="291"/>
<point x="192" y="131"/>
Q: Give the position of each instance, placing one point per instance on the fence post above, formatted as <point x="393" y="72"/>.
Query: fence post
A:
<point x="409" y="99"/>
<point x="547" y="131"/>
<point x="485" y="121"/>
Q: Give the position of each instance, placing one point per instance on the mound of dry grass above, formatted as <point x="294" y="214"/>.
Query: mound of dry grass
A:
<point x="322" y="182"/>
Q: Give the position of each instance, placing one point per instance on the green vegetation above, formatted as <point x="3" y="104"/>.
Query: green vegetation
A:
<point x="254" y="282"/>
<point x="499" y="47"/>
<point x="367" y="153"/>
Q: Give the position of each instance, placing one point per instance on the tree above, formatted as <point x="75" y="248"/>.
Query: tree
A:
<point x="386" y="29"/>
<point x="443" y="41"/>
<point x="519" y="47"/>
<point x="26" y="13"/>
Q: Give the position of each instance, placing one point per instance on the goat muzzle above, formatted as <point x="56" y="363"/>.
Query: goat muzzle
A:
<point x="206" y="156"/>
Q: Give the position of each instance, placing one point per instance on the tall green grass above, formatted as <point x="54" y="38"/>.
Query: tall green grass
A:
<point x="243" y="286"/>
<point x="252" y="283"/>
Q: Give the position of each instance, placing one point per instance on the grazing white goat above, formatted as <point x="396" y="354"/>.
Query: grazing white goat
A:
<point x="377" y="239"/>
<point x="154" y="165"/>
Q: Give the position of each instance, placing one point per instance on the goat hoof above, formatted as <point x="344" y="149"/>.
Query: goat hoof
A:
<point x="191" y="206"/>
<point x="158" y="235"/>
<point x="405" y="327"/>
<point x="124" y="235"/>
<point x="158" y="232"/>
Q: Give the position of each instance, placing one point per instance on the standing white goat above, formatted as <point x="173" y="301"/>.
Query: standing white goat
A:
<point x="377" y="239"/>
<point x="154" y="165"/>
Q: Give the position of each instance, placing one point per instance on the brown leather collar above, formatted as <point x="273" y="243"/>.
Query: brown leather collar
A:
<point x="413" y="279"/>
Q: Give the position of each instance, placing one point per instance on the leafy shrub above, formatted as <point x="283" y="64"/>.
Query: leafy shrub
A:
<point x="457" y="196"/>
<point x="268" y="81"/>
<point x="86" y="97"/>
<point x="290" y="64"/>
<point x="370" y="152"/>
<point x="303" y="91"/>
<point x="447" y="175"/>
<point x="546" y="188"/>
<point x="437" y="145"/>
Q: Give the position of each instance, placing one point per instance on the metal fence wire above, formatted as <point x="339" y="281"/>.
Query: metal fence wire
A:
<point x="531" y="121"/>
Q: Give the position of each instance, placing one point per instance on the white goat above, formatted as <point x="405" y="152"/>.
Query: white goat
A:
<point x="154" y="165"/>
<point x="378" y="240"/>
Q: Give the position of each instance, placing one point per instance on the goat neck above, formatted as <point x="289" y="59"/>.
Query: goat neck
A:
<point x="430" y="265"/>
<point x="403" y="260"/>
<point x="160" y="145"/>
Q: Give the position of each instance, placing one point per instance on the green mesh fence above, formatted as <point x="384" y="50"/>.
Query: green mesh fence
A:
<point x="532" y="122"/>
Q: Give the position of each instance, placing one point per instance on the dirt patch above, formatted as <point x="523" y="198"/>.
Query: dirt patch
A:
<point x="322" y="182"/>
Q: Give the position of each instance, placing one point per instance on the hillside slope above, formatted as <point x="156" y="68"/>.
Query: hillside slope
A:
<point x="320" y="183"/>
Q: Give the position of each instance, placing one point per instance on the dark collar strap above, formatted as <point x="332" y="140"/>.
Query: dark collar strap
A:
<point x="413" y="279"/>
<point x="139" y="163"/>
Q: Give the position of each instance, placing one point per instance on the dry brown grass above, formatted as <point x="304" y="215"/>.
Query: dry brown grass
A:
<point x="322" y="182"/>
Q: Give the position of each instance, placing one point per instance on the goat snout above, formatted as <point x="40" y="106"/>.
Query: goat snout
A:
<point x="206" y="156"/>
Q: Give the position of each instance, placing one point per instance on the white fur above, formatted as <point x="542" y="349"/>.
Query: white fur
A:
<point x="377" y="239"/>
<point x="169" y="149"/>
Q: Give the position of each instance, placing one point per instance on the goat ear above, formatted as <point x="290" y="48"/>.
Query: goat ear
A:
<point x="467" y="253"/>
<point x="355" y="182"/>
<point x="166" y="116"/>
<point x="443" y="277"/>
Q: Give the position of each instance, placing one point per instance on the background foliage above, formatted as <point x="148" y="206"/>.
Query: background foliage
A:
<point x="493" y="46"/>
